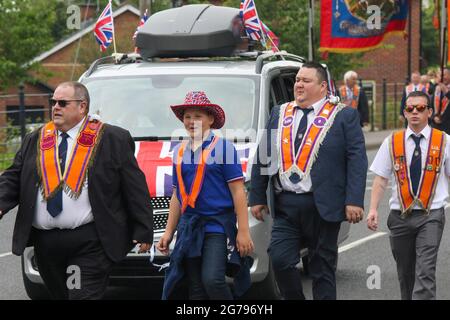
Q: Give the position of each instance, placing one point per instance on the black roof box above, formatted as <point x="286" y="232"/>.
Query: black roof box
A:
<point x="197" y="30"/>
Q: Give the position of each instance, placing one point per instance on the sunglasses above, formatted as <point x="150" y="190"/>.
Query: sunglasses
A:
<point x="62" y="103"/>
<point x="418" y="107"/>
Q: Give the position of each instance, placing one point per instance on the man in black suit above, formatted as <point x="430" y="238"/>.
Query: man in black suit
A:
<point x="83" y="201"/>
<point x="315" y="160"/>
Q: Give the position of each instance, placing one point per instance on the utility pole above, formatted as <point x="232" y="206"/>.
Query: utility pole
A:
<point x="311" y="31"/>
<point x="409" y="39"/>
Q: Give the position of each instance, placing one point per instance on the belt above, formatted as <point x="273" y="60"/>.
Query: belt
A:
<point x="417" y="211"/>
<point x="297" y="194"/>
<point x="64" y="230"/>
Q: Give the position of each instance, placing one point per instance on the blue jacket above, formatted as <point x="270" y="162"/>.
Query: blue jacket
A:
<point x="338" y="175"/>
<point x="190" y="235"/>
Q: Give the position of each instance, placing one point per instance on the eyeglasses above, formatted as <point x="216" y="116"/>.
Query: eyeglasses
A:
<point x="62" y="103"/>
<point x="418" y="107"/>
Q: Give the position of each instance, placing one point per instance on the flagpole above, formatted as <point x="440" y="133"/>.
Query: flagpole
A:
<point x="443" y="33"/>
<point x="311" y="31"/>
<point x="260" y="26"/>
<point x="113" y="31"/>
<point x="273" y="43"/>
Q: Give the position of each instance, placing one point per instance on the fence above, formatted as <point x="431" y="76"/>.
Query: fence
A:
<point x="19" y="114"/>
<point x="385" y="110"/>
<point x="23" y="112"/>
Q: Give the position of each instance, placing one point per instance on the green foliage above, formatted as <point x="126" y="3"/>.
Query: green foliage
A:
<point x="25" y="31"/>
<point x="430" y="40"/>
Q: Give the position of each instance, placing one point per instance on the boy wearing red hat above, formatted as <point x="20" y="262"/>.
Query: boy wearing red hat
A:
<point x="207" y="200"/>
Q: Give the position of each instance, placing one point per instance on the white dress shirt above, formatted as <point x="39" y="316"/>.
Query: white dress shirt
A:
<point x="76" y="212"/>
<point x="305" y="185"/>
<point x="349" y="93"/>
<point x="382" y="166"/>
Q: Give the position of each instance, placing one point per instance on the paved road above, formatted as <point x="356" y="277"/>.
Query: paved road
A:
<point x="358" y="254"/>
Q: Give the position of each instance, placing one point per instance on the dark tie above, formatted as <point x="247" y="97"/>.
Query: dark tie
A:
<point x="415" y="167"/>
<point x="54" y="205"/>
<point x="301" y="128"/>
<point x="301" y="131"/>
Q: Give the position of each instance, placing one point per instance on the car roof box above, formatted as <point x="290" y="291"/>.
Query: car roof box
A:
<point x="191" y="31"/>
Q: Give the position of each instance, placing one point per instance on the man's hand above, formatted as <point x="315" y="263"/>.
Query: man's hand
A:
<point x="143" y="247"/>
<point x="372" y="220"/>
<point x="259" y="210"/>
<point x="354" y="214"/>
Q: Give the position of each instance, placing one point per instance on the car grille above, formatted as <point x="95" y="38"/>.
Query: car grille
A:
<point x="160" y="212"/>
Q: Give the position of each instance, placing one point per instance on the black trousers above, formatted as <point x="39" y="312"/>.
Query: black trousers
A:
<point x="72" y="263"/>
<point x="298" y="224"/>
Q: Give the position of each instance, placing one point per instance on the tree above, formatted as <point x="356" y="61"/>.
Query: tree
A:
<point x="430" y="40"/>
<point x="25" y="31"/>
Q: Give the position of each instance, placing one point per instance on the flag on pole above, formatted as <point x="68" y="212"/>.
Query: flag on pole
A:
<point x="273" y="41"/>
<point x="446" y="20"/>
<point x="104" y="28"/>
<point x="252" y="24"/>
<point x="436" y="11"/>
<point x="348" y="26"/>
<point x="141" y="23"/>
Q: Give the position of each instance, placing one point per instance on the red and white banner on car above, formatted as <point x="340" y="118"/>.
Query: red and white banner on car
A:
<point x="155" y="160"/>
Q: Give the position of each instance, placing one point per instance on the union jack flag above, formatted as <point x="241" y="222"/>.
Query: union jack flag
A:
<point x="141" y="23"/>
<point x="104" y="28"/>
<point x="252" y="24"/>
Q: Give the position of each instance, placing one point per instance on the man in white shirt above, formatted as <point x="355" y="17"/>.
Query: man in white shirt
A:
<point x="418" y="159"/>
<point x="83" y="201"/>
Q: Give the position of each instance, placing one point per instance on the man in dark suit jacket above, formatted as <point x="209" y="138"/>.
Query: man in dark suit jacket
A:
<point x="89" y="224"/>
<point x="315" y="194"/>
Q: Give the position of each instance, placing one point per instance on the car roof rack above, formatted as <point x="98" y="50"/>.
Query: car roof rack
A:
<point x="280" y="55"/>
<point x="117" y="58"/>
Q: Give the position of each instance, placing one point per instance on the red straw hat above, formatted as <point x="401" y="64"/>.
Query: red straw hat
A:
<point x="199" y="100"/>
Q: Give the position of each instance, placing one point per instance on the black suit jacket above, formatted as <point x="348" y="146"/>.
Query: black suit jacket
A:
<point x="117" y="189"/>
<point x="338" y="175"/>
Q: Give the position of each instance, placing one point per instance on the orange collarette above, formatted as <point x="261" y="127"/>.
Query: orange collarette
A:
<point x="190" y="199"/>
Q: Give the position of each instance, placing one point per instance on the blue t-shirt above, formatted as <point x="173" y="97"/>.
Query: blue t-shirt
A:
<point x="222" y="167"/>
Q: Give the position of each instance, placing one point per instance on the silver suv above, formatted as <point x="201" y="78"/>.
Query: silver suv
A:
<point x="135" y="93"/>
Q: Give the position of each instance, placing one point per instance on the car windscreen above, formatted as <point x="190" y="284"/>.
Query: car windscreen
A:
<point x="142" y="104"/>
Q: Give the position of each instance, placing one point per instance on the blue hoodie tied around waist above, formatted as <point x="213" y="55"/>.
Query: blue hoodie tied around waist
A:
<point x="189" y="244"/>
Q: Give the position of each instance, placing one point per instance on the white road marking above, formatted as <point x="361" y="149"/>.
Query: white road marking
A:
<point x="360" y="241"/>
<point x="5" y="254"/>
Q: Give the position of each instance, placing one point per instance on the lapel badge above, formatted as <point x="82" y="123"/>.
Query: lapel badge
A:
<point x="396" y="167"/>
<point x="430" y="167"/>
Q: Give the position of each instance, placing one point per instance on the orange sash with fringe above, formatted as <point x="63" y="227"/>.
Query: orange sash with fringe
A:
<point x="191" y="198"/>
<point x="430" y="175"/>
<point x="354" y="101"/>
<point x="73" y="178"/>
<point x="302" y="162"/>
